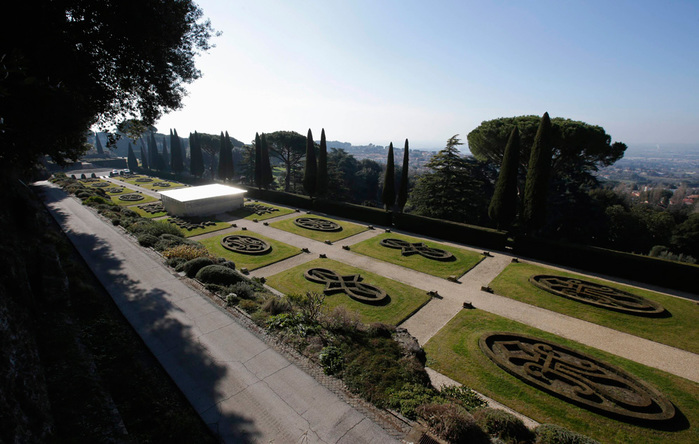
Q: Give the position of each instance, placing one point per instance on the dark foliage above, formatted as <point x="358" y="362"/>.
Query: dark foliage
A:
<point x="402" y="197"/>
<point x="322" y="185"/>
<point x="503" y="205"/>
<point x="388" y="195"/>
<point x="218" y="274"/>
<point x="310" y="173"/>
<point x="192" y="267"/>
<point x="538" y="174"/>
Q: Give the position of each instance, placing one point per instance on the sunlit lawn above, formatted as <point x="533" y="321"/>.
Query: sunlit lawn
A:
<point x="404" y="300"/>
<point x="116" y="200"/>
<point x="348" y="229"/>
<point x="280" y="251"/>
<point x="454" y="351"/>
<point x="146" y="214"/>
<point x="151" y="185"/>
<point x="464" y="259"/>
<point x="197" y="231"/>
<point x="249" y="214"/>
<point x="678" y="330"/>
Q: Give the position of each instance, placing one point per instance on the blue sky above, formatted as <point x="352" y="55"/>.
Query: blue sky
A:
<point x="384" y="70"/>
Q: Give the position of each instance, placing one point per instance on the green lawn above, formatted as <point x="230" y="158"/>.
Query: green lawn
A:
<point x="348" y="229"/>
<point x="197" y="231"/>
<point x="245" y="213"/>
<point x="150" y="185"/>
<point x="147" y="214"/>
<point x="678" y="330"/>
<point x="454" y="351"/>
<point x="404" y="300"/>
<point x="464" y="259"/>
<point x="280" y="251"/>
<point x="116" y="200"/>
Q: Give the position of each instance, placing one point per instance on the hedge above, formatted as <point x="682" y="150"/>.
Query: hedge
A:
<point x="280" y="197"/>
<point x="218" y="274"/>
<point x="451" y="231"/>
<point x="376" y="216"/>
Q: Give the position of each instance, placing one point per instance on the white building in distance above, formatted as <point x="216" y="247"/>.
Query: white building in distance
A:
<point x="205" y="200"/>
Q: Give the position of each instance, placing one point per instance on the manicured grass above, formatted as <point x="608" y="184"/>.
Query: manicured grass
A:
<point x="116" y="200"/>
<point x="678" y="330"/>
<point x="404" y="300"/>
<point x="464" y="259"/>
<point x="454" y="351"/>
<point x="149" y="185"/>
<point x="348" y="229"/>
<point x="146" y="214"/>
<point x="197" y="231"/>
<point x="248" y="214"/>
<point x="280" y="251"/>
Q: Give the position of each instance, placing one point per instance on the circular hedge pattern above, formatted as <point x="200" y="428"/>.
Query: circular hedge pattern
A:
<point x="350" y="285"/>
<point x="144" y="179"/>
<point x="114" y="190"/>
<point x="239" y="243"/>
<point x="314" y="223"/>
<point x="597" y="295"/>
<point x="576" y="377"/>
<point x="101" y="184"/>
<point x="131" y="197"/>
<point x="161" y="184"/>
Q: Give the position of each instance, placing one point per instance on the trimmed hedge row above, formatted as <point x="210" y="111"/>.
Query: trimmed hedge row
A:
<point x="452" y="231"/>
<point x="280" y="197"/>
<point x="676" y="275"/>
<point x="375" y="216"/>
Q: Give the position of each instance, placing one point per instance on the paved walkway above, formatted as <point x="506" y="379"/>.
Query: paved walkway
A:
<point x="244" y="390"/>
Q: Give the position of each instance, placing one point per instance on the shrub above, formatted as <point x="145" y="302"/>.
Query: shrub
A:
<point x="82" y="176"/>
<point x="309" y="303"/>
<point x="464" y="396"/>
<point x="192" y="267"/>
<point x="275" y="305"/>
<point x="409" y="397"/>
<point x="243" y="290"/>
<point x="502" y="424"/>
<point x="83" y="194"/>
<point x="174" y="262"/>
<point x="553" y="434"/>
<point x="185" y="252"/>
<point x="217" y="274"/>
<point x="154" y="227"/>
<point x="381" y="330"/>
<point x="227" y="264"/>
<point x="96" y="200"/>
<point x="93" y="175"/>
<point x="452" y="423"/>
<point x="247" y="305"/>
<point x="331" y="358"/>
<point x="232" y="299"/>
<point x="340" y="319"/>
<point x="168" y="241"/>
<point x="147" y="240"/>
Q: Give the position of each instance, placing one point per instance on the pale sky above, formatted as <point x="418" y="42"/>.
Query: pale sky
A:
<point x="380" y="71"/>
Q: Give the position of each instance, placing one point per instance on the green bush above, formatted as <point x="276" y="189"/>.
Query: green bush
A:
<point x="227" y="264"/>
<point x="191" y="268"/>
<point x="174" y="262"/>
<point x="243" y="290"/>
<point x="553" y="434"/>
<point x="147" y="240"/>
<point x="154" y="227"/>
<point x="247" y="305"/>
<point x="332" y="360"/>
<point x="167" y="241"/>
<point x="452" y="423"/>
<point x="96" y="200"/>
<point x="464" y="396"/>
<point x="276" y="305"/>
<point x="502" y="424"/>
<point x="409" y="397"/>
<point x="218" y="274"/>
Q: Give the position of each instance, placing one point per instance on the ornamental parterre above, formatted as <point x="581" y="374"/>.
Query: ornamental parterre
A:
<point x="314" y="223"/>
<point x="260" y="209"/>
<point x="597" y="295"/>
<point x="161" y="184"/>
<point x="408" y="249"/>
<point x="144" y="179"/>
<point x="351" y="285"/>
<point x="576" y="377"/>
<point x="131" y="197"/>
<point x="239" y="243"/>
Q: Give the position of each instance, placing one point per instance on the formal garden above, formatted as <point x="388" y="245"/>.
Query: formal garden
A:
<point x="150" y="182"/>
<point x="254" y="210"/>
<point x="249" y="250"/>
<point x="427" y="257"/>
<point x="319" y="228"/>
<point x="674" y="325"/>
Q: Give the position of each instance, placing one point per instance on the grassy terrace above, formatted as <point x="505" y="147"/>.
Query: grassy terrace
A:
<point x="454" y="351"/>
<point x="247" y="213"/>
<point x="404" y="300"/>
<point x="151" y="185"/>
<point x="465" y="260"/>
<point x="146" y="214"/>
<point x="348" y="229"/>
<point x="280" y="251"/>
<point x="678" y="330"/>
<point x="198" y="231"/>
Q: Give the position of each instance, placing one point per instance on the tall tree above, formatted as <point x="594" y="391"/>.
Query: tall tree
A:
<point x="258" y="161"/>
<point x="266" y="173"/>
<point x="98" y="145"/>
<point x="503" y="205"/>
<point x="310" y="173"/>
<point x="69" y="65"/>
<point x="225" y="158"/>
<point x="289" y="147"/>
<point x="402" y="198"/>
<point x="176" y="161"/>
<point x="144" y="156"/>
<point x="230" y="167"/>
<point x="165" y="157"/>
<point x="322" y="185"/>
<point x="196" y="161"/>
<point x="153" y="152"/>
<point x="538" y="172"/>
<point x="131" y="161"/>
<point x="388" y="196"/>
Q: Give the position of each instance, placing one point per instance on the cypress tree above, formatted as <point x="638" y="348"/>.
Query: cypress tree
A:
<point x="176" y="162"/>
<point x="144" y="156"/>
<point x="388" y="196"/>
<point x="131" y="159"/>
<point x="196" y="162"/>
<point x="537" y="182"/>
<point x="322" y="185"/>
<point x="503" y="205"/>
<point x="222" y="158"/>
<point x="165" y="158"/>
<point x="230" y="168"/>
<point x="98" y="145"/>
<point x="267" y="176"/>
<point x="310" y="173"/>
<point x="152" y="152"/>
<point x="258" y="161"/>
<point x="403" y="190"/>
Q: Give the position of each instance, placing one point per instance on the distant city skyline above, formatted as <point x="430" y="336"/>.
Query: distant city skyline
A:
<point x="380" y="72"/>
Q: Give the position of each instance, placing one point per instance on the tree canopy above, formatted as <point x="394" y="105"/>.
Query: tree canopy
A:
<point x="310" y="173"/>
<point x="73" y="64"/>
<point x="577" y="147"/>
<point x="503" y="205"/>
<point x="289" y="147"/>
<point x="388" y="195"/>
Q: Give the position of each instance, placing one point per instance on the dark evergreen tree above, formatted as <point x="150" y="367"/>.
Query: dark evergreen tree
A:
<point x="165" y="157"/>
<point x="403" y="190"/>
<point x="196" y="161"/>
<point x="152" y="152"/>
<point x="144" y="156"/>
<point x="537" y="182"/>
<point x="258" y="161"/>
<point x="310" y="173"/>
<point x="176" y="161"/>
<point x="266" y="173"/>
<point x="503" y="205"/>
<point x="225" y="158"/>
<point x="230" y="168"/>
<point x="322" y="185"/>
<point x="98" y="145"/>
<point x="131" y="161"/>
<point x="388" y="196"/>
